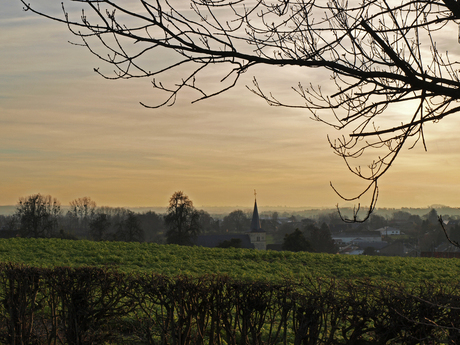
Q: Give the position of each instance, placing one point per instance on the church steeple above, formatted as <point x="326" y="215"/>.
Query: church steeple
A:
<point x="255" y="223"/>
<point x="256" y="233"/>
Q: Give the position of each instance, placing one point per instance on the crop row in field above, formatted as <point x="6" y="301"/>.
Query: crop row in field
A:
<point x="237" y="263"/>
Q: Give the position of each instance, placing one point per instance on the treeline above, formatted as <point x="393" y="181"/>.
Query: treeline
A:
<point x="41" y="216"/>
<point x="94" y="306"/>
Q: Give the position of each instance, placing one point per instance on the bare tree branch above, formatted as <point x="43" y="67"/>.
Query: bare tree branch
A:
<point x="455" y="243"/>
<point x="381" y="55"/>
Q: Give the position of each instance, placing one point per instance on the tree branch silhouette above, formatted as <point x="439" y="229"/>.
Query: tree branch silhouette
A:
<point x="381" y="55"/>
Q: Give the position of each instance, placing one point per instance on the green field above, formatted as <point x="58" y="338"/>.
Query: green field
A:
<point x="238" y="263"/>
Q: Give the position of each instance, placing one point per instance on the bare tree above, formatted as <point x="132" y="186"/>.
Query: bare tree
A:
<point x="83" y="209"/>
<point x="98" y="226"/>
<point x="382" y="56"/>
<point x="38" y="215"/>
<point x="446" y="233"/>
<point x="182" y="220"/>
<point x="236" y="221"/>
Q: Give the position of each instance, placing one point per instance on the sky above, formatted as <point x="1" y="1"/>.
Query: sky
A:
<point x="67" y="132"/>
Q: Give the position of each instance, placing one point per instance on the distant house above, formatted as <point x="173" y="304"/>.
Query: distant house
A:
<point x="388" y="231"/>
<point x="255" y="238"/>
<point x="359" y="247"/>
<point x="356" y="237"/>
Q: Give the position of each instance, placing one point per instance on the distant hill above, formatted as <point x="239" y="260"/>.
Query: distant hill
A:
<point x="307" y="212"/>
<point x="7" y="210"/>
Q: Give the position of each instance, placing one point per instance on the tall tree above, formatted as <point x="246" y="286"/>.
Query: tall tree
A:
<point x="296" y="242"/>
<point x="38" y="215"/>
<point x="382" y="56"/>
<point x="236" y="221"/>
<point x="432" y="216"/>
<point x="321" y="239"/>
<point x="283" y="230"/>
<point x="7" y="222"/>
<point x="83" y="209"/>
<point x="376" y="222"/>
<point x="98" y="226"/>
<point x="129" y="229"/>
<point x="182" y="220"/>
<point x="207" y="223"/>
<point x="153" y="225"/>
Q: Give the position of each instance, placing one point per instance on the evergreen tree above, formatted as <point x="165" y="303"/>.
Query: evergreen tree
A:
<point x="296" y="242"/>
<point x="321" y="239"/>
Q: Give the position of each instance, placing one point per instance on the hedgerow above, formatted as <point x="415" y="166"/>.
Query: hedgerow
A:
<point x="89" y="305"/>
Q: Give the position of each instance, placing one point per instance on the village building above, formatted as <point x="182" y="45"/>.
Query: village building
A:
<point x="255" y="238"/>
<point x="256" y="234"/>
<point x="388" y="231"/>
<point x="356" y="237"/>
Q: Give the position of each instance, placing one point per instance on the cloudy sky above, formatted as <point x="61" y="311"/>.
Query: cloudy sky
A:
<point x="67" y="132"/>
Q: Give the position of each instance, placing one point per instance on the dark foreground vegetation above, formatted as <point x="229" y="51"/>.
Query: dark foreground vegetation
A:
<point x="93" y="305"/>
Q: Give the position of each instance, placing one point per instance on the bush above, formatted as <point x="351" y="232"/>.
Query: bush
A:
<point x="92" y="305"/>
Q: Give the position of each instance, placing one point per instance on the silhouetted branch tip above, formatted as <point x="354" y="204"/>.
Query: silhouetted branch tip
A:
<point x="394" y="67"/>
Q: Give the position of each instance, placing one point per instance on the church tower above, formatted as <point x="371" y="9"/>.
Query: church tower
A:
<point x="256" y="234"/>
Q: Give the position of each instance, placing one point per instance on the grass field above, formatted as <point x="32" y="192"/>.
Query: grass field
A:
<point x="238" y="263"/>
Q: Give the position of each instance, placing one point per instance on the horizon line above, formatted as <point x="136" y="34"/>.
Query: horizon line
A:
<point x="278" y="206"/>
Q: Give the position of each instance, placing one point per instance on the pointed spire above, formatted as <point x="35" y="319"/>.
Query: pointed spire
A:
<point x="255" y="223"/>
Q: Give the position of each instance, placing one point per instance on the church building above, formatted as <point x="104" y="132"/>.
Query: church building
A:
<point x="256" y="234"/>
<point x="254" y="238"/>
